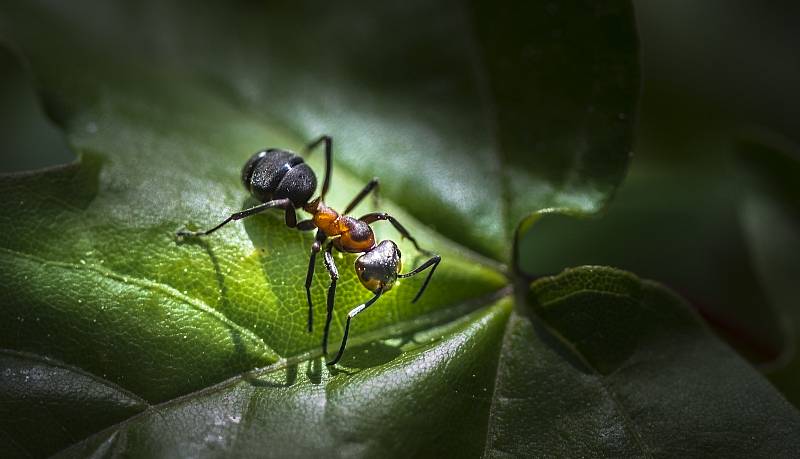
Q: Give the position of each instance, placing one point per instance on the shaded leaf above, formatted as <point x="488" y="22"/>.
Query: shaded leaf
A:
<point x="23" y="126"/>
<point x="680" y="224"/>
<point x="39" y="396"/>
<point x="615" y="366"/>
<point x="770" y="217"/>
<point x="718" y="229"/>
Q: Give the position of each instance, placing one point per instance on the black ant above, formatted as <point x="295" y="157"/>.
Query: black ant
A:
<point x="280" y="179"/>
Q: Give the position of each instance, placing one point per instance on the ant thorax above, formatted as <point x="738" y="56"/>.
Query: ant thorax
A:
<point x="325" y="218"/>
<point x="354" y="236"/>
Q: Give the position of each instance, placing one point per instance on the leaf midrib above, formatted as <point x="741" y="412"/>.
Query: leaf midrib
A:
<point x="598" y="376"/>
<point x="75" y="369"/>
<point x="147" y="284"/>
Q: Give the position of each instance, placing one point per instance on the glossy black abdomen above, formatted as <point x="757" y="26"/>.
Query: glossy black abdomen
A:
<point x="277" y="174"/>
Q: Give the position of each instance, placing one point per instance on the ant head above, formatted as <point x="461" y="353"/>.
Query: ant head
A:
<point x="378" y="268"/>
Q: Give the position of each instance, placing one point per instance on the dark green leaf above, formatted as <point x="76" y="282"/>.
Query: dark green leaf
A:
<point x="771" y="222"/>
<point x="23" y="126"/>
<point x="44" y="404"/>
<point x="720" y="230"/>
<point x="678" y="224"/>
<point x="614" y="366"/>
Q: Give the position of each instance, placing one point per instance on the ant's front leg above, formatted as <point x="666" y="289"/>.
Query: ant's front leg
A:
<point x="315" y="248"/>
<point x="286" y="204"/>
<point x="334" y="274"/>
<point x="432" y="263"/>
<point x="375" y="216"/>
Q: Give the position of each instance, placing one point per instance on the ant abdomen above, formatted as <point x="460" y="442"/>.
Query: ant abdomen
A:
<point x="278" y="174"/>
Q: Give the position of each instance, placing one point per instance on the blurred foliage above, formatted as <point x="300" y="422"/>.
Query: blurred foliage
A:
<point x="716" y="145"/>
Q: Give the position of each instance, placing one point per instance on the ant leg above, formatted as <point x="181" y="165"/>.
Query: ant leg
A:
<point x="372" y="185"/>
<point x="286" y="204"/>
<point x="373" y="217"/>
<point x="433" y="262"/>
<point x="315" y="248"/>
<point x="306" y="225"/>
<point x="334" y="273"/>
<point x="290" y="216"/>
<point x="353" y="312"/>
<point x="328" y="160"/>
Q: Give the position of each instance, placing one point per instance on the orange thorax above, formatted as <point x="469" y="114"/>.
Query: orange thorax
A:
<point x="353" y="235"/>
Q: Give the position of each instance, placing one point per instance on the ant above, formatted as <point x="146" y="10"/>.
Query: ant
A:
<point x="280" y="179"/>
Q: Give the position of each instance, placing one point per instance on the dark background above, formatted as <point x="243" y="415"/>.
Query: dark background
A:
<point x="710" y="70"/>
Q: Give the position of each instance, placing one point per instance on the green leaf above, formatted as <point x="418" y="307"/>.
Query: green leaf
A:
<point x="615" y="366"/>
<point x="199" y="347"/>
<point x="91" y="256"/>
<point x="94" y="277"/>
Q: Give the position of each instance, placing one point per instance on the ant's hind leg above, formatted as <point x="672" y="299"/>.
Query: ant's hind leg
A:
<point x="286" y="204"/>
<point x="315" y="248"/>
<point x="334" y="273"/>
<point x="353" y="312"/>
<point x="328" y="140"/>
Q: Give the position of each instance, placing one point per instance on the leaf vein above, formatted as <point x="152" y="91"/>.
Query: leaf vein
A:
<point x="74" y="369"/>
<point x="147" y="284"/>
<point x="627" y="420"/>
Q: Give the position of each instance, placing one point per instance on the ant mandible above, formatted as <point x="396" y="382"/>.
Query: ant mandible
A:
<point x="280" y="179"/>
